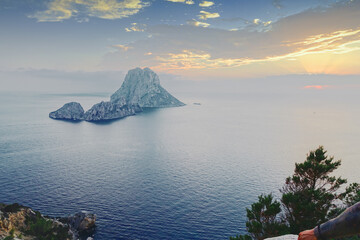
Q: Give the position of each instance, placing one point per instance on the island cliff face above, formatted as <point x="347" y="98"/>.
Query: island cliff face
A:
<point x="110" y="111"/>
<point x="70" y="111"/>
<point x="140" y="89"/>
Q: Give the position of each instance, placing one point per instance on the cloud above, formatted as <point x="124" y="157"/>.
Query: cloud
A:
<point x="277" y="4"/>
<point x="267" y="23"/>
<point x="256" y="21"/>
<point x="205" y="15"/>
<point x="195" y="23"/>
<point x="189" y="2"/>
<point x="136" y="27"/>
<point x="206" y="4"/>
<point x="320" y="87"/>
<point x="59" y="10"/>
<point x="122" y="47"/>
<point x="322" y="31"/>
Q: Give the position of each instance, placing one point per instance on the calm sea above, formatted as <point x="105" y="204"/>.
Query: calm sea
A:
<point x="176" y="173"/>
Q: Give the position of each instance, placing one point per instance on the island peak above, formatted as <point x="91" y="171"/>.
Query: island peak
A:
<point x="140" y="89"/>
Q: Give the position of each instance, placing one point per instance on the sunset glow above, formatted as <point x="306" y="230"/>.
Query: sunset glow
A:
<point x="186" y="38"/>
<point x="316" y="86"/>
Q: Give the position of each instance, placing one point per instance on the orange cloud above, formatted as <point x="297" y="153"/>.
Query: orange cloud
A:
<point x="321" y="41"/>
<point x="338" y="42"/>
<point x="316" y="86"/>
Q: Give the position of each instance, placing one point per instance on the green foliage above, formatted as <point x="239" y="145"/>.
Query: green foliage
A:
<point x="241" y="237"/>
<point x="262" y="218"/>
<point x="9" y="238"/>
<point x="43" y="229"/>
<point x="15" y="207"/>
<point x="308" y="195"/>
<point x="351" y="194"/>
<point x="12" y="231"/>
<point x="308" y="199"/>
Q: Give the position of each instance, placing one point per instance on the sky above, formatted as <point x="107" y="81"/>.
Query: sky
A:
<point x="190" y="38"/>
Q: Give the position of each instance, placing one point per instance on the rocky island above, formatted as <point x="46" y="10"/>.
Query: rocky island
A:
<point x="140" y="89"/>
<point x="20" y="222"/>
<point x="70" y="111"/>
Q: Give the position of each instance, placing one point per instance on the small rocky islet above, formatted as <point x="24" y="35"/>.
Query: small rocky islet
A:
<point x="20" y="222"/>
<point x="140" y="89"/>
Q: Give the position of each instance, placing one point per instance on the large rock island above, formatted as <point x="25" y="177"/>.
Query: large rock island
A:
<point x="140" y="89"/>
<point x="142" y="86"/>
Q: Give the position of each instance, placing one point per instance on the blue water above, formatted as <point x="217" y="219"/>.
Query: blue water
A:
<point x="177" y="173"/>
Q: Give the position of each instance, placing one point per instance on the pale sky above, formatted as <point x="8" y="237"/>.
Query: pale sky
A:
<point x="190" y="38"/>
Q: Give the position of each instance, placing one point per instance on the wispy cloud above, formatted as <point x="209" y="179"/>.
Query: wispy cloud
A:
<point x="122" y="47"/>
<point x="196" y="23"/>
<point x="205" y="15"/>
<point x="257" y="21"/>
<point x="59" y="10"/>
<point x="136" y="27"/>
<point x="189" y="2"/>
<point x="338" y="42"/>
<point x="319" y="87"/>
<point x="333" y="31"/>
<point x="206" y="4"/>
<point x="267" y="23"/>
<point x="277" y="4"/>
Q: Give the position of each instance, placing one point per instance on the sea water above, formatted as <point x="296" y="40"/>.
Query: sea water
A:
<point x="173" y="173"/>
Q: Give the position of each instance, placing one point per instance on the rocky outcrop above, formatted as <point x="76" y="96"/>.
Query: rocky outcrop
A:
<point x="20" y="222"/>
<point x="70" y="111"/>
<point x="110" y="110"/>
<point x="81" y="224"/>
<point x="142" y="87"/>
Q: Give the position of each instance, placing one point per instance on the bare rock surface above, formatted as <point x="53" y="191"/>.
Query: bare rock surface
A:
<point x="142" y="87"/>
<point x="20" y="222"/>
<point x="70" y="111"/>
<point x="109" y="111"/>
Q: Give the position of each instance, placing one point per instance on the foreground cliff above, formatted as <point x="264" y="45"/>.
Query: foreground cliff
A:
<point x="140" y="89"/>
<point x="20" y="222"/>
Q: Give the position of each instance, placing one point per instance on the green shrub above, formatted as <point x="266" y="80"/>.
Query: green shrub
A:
<point x="241" y="237"/>
<point x="9" y="238"/>
<point x="44" y="229"/>
<point x="15" y="207"/>
<point x="262" y="218"/>
<point x="309" y="198"/>
<point x="309" y="195"/>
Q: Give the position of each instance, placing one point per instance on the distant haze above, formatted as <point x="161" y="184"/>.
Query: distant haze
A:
<point x="107" y="82"/>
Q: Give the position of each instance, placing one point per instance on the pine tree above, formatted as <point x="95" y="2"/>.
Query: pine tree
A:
<point x="308" y="195"/>
<point x="262" y="218"/>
